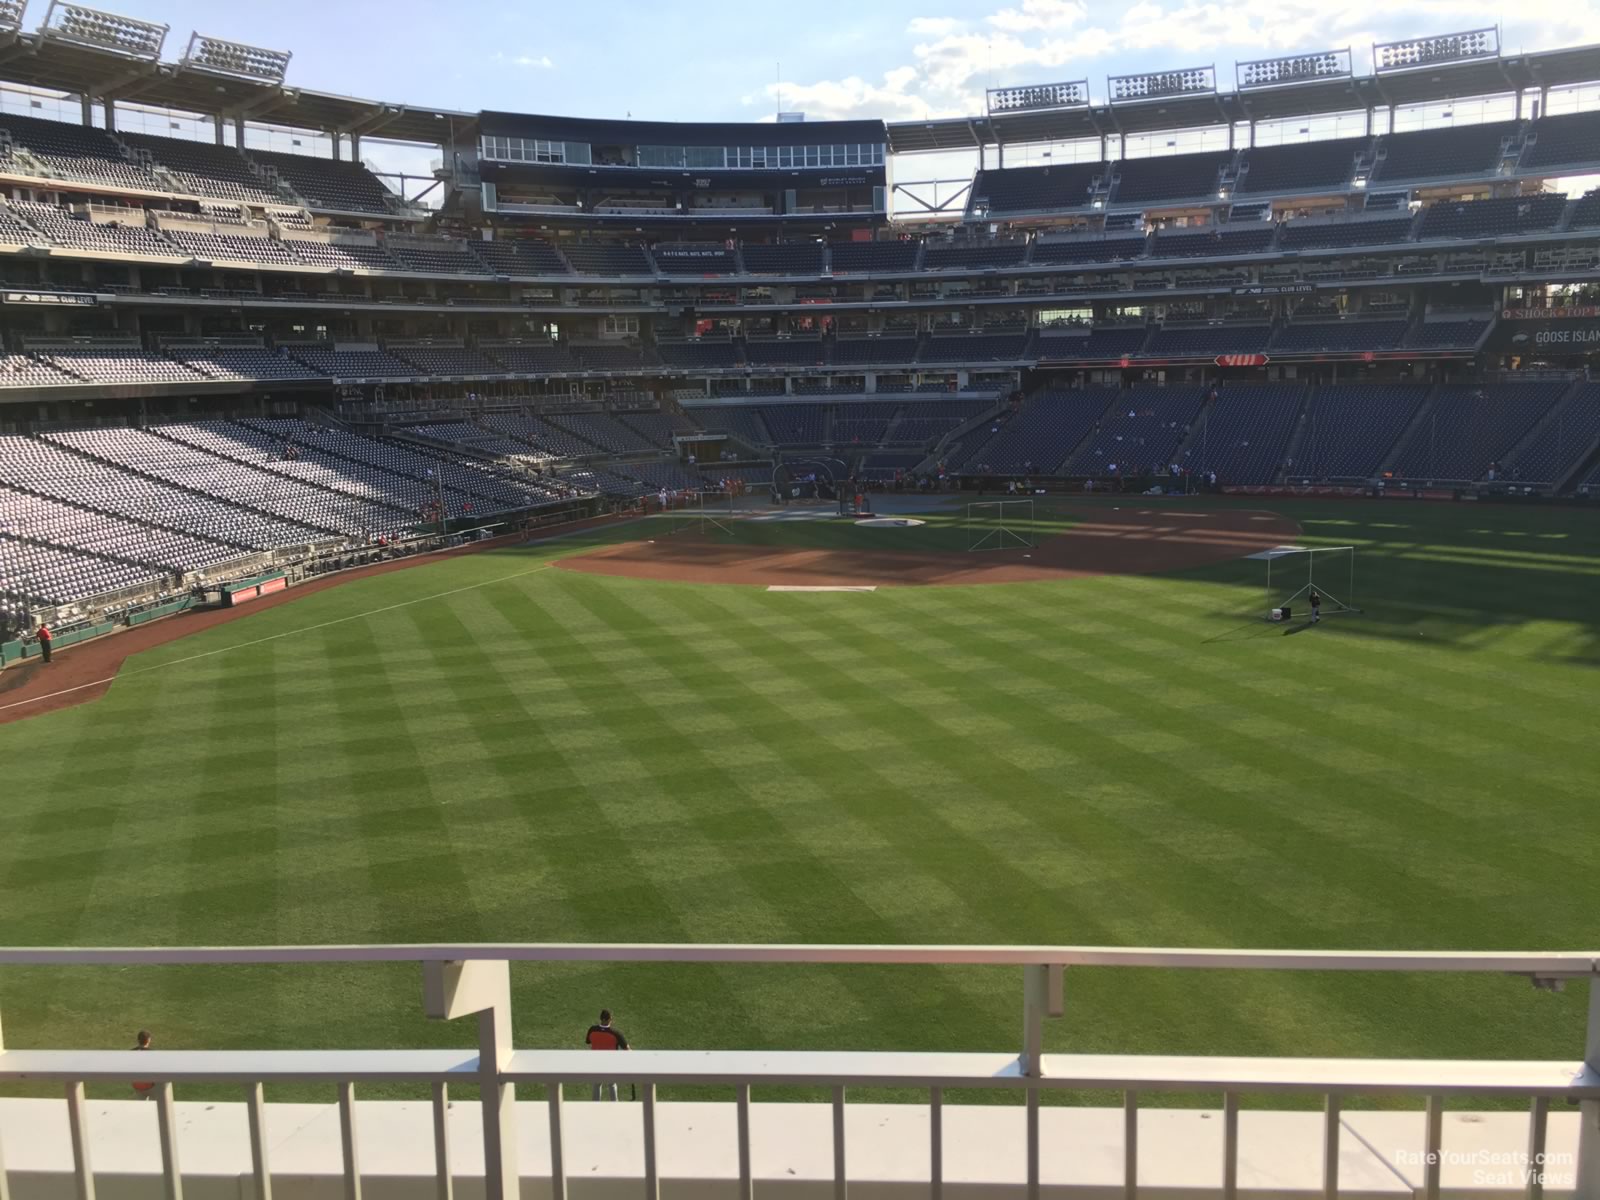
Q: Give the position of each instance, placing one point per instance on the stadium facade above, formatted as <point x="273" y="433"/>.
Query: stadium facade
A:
<point x="218" y="354"/>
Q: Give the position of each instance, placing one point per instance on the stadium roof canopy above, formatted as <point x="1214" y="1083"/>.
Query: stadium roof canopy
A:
<point x="41" y="61"/>
<point x="1452" y="81"/>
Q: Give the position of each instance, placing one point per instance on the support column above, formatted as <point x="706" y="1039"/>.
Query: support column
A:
<point x="238" y="133"/>
<point x="1042" y="996"/>
<point x="355" y="147"/>
<point x="216" y="128"/>
<point x="111" y="114"/>
<point x="86" y="108"/>
<point x="1587" y="1171"/>
<point x="483" y="987"/>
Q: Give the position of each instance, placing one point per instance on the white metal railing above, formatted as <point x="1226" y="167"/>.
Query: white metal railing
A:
<point x="475" y="980"/>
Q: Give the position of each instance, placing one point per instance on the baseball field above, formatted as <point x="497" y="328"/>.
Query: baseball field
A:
<point x="499" y="746"/>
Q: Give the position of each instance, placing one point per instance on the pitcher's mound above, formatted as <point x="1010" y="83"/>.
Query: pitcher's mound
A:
<point x="1126" y="541"/>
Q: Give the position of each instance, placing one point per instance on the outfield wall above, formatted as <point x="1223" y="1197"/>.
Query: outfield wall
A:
<point x="1180" y="1151"/>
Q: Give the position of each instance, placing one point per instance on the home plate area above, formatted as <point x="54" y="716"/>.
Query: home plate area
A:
<point x="1103" y="541"/>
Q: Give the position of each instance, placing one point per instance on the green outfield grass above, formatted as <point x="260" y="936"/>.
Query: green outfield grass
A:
<point x="501" y="751"/>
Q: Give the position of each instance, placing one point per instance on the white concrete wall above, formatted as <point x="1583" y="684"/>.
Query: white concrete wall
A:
<point x="1180" y="1152"/>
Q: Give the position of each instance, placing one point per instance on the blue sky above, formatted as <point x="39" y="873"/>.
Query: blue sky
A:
<point x="719" y="59"/>
<point x="715" y="59"/>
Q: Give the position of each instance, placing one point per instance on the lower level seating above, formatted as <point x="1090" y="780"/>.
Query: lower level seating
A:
<point x="1352" y="427"/>
<point x="1035" y="439"/>
<point x="1244" y="435"/>
<point x="1472" y="426"/>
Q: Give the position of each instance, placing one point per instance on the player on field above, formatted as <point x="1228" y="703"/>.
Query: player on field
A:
<point x="1316" y="606"/>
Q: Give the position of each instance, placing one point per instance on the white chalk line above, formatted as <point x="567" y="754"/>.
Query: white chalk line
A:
<point x="272" y="637"/>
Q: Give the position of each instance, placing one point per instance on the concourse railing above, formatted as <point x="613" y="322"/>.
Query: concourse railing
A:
<point x="475" y="980"/>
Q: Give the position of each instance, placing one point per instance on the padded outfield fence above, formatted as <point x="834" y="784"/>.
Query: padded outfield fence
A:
<point x="475" y="981"/>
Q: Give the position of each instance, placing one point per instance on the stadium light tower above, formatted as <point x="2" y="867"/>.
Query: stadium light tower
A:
<point x="104" y="31"/>
<point x="1436" y="50"/>
<point x="218" y="56"/>
<point x="11" y="15"/>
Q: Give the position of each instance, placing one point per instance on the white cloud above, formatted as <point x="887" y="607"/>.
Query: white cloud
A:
<point x="934" y="26"/>
<point x="949" y="62"/>
<point x="535" y="61"/>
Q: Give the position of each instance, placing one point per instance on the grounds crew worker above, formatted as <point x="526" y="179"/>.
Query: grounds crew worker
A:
<point x="142" y="1089"/>
<point x="604" y="1037"/>
<point x="44" y="640"/>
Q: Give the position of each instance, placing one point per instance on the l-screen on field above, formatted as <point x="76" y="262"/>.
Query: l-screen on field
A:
<point x="502" y="746"/>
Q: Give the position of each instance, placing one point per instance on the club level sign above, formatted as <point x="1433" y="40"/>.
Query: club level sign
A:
<point x="1241" y="360"/>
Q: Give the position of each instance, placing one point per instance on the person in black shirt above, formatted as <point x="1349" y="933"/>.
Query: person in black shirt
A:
<point x="604" y="1037"/>
<point x="1316" y="606"/>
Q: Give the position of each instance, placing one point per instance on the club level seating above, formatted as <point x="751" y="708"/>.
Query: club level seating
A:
<point x="987" y="255"/>
<point x="866" y="257"/>
<point x="1491" y="218"/>
<point x="436" y="257"/>
<point x="225" y="247"/>
<point x="1559" y="141"/>
<point x="1096" y="344"/>
<point x="1564" y="441"/>
<point x="52" y="575"/>
<point x="1169" y="177"/>
<point x="695" y="258"/>
<point x="611" y="356"/>
<point x="1338" y="336"/>
<point x="74" y="152"/>
<point x="1303" y="167"/>
<point x="24" y="370"/>
<point x="243" y="364"/>
<point x="1471" y="426"/>
<point x="1299" y="235"/>
<point x="796" y="352"/>
<point x="14" y="231"/>
<point x="786" y="258"/>
<point x="740" y="421"/>
<point x="1352" y="427"/>
<point x="80" y="233"/>
<point x="1442" y="153"/>
<point x="342" y="256"/>
<point x="1245" y="434"/>
<point x="1208" y="340"/>
<point x="1036" y="439"/>
<point x="797" y="424"/>
<point x="604" y="430"/>
<point x="975" y="347"/>
<point x="521" y="257"/>
<point x="204" y="168"/>
<point x="1089" y="250"/>
<point x="1586" y="212"/>
<point x="1445" y="334"/>
<point x="326" y="183"/>
<point x="532" y="358"/>
<point x="1216" y="242"/>
<point x="447" y="360"/>
<point x="697" y="353"/>
<point x="1141" y="431"/>
<point x="52" y="470"/>
<point x="588" y="259"/>
<point x="658" y="428"/>
<point x="875" y="350"/>
<point x="116" y="365"/>
<point x="1034" y="189"/>
<point x="352" y="364"/>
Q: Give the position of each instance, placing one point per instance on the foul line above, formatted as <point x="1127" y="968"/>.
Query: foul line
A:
<point x="272" y="637"/>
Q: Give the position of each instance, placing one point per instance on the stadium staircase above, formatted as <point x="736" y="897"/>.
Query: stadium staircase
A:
<point x="1551" y="416"/>
<point x="1419" y="421"/>
<point x="960" y="436"/>
<point x="1302" y="429"/>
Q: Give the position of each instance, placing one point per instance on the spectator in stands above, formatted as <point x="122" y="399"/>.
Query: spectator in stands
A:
<point x="604" y="1037"/>
<point x="45" y="638"/>
<point x="143" y="1089"/>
